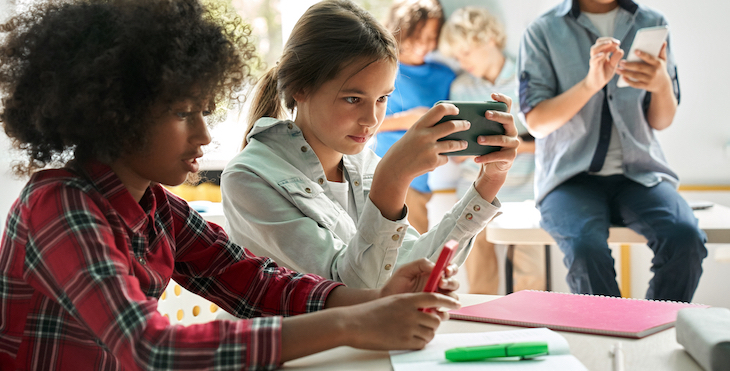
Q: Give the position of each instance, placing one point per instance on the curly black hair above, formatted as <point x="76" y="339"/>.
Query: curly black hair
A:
<point x="78" y="78"/>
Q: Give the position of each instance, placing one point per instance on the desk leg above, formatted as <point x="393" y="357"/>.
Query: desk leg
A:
<point x="625" y="271"/>
<point x="548" y="275"/>
<point x="508" y="270"/>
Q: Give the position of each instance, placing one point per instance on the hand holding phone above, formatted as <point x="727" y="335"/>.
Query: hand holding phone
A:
<point x="649" y="40"/>
<point x="474" y="113"/>
<point x="447" y="253"/>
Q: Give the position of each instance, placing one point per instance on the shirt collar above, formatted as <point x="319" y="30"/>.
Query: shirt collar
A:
<point x="573" y="7"/>
<point x="112" y="189"/>
<point x="264" y="124"/>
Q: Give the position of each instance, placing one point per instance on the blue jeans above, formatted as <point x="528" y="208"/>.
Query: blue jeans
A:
<point x="578" y="213"/>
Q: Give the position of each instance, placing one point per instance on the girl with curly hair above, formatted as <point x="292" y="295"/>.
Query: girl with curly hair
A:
<point x="324" y="203"/>
<point x="113" y="96"/>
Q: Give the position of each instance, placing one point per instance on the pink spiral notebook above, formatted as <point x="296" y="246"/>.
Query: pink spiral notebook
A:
<point x="601" y="315"/>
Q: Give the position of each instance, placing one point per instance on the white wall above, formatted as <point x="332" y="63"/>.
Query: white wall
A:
<point x="695" y="144"/>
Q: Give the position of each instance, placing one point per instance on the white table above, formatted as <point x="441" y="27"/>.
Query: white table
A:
<point x="657" y="352"/>
<point x="519" y="224"/>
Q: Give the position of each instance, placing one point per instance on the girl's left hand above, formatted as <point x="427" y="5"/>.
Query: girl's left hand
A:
<point x="496" y="164"/>
<point x="412" y="278"/>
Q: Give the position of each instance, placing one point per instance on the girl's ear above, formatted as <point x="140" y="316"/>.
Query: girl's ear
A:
<point x="299" y="96"/>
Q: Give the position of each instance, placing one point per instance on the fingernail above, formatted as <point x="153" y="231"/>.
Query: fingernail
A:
<point x="490" y="114"/>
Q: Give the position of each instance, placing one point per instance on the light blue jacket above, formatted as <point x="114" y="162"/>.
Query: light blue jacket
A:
<point x="277" y="203"/>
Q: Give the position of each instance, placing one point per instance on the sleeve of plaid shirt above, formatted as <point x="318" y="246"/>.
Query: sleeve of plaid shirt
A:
<point x="74" y="256"/>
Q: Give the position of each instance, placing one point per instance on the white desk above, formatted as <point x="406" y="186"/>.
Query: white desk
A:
<point x="519" y="224"/>
<point x="655" y="352"/>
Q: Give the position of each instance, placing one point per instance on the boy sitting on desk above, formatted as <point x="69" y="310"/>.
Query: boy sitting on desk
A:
<point x="598" y="160"/>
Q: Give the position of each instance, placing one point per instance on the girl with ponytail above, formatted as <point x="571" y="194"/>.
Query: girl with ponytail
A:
<point x="309" y="193"/>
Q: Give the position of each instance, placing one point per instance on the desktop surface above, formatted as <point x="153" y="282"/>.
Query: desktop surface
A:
<point x="659" y="351"/>
<point x="519" y="223"/>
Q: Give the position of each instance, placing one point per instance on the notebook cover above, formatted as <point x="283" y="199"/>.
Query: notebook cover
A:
<point x="601" y="315"/>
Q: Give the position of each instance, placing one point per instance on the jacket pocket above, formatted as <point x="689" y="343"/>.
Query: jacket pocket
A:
<point x="310" y="199"/>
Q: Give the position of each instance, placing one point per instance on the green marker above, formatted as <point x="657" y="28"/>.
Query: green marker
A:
<point x="523" y="350"/>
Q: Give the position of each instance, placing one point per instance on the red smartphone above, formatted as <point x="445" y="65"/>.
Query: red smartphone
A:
<point x="447" y="253"/>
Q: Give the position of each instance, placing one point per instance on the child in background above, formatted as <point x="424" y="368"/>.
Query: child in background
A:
<point x="419" y="84"/>
<point x="599" y="160"/>
<point x="324" y="203"/>
<point x="117" y="93"/>
<point x="476" y="39"/>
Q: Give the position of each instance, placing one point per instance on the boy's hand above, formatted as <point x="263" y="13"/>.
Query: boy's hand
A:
<point x="412" y="278"/>
<point x="605" y="57"/>
<point x="496" y="164"/>
<point x="650" y="74"/>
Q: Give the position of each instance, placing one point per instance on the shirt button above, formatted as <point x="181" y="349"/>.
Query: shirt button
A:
<point x="304" y="149"/>
<point x="308" y="190"/>
<point x="321" y="180"/>
<point x="357" y="183"/>
<point x="400" y="229"/>
<point x="469" y="216"/>
<point x="395" y="237"/>
<point x="142" y="261"/>
<point x="477" y="207"/>
<point x="290" y="126"/>
<point x="388" y="267"/>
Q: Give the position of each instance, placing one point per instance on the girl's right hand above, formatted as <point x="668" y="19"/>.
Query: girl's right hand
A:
<point x="419" y="150"/>
<point x="395" y="322"/>
<point x="605" y="55"/>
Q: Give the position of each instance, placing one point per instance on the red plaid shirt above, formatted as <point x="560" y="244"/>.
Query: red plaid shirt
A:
<point x="82" y="266"/>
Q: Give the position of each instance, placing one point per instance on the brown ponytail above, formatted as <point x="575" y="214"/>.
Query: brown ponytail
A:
<point x="266" y="101"/>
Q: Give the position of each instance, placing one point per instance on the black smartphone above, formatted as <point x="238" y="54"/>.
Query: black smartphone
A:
<point x="474" y="113"/>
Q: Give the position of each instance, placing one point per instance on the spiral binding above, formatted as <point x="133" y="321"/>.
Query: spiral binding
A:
<point x="616" y="297"/>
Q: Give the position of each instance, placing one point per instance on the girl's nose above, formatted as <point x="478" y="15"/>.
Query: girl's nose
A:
<point x="370" y="117"/>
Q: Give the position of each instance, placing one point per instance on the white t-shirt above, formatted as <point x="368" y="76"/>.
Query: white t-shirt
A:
<point x="605" y="23"/>
<point x="341" y="192"/>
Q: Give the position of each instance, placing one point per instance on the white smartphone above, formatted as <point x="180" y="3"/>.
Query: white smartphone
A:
<point x="649" y="40"/>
